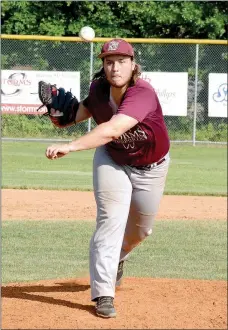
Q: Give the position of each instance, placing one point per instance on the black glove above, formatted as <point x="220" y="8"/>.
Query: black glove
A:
<point x="64" y="104"/>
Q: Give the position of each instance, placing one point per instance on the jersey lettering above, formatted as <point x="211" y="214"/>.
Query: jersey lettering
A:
<point x="128" y="138"/>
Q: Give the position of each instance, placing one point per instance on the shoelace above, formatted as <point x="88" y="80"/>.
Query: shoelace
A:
<point x="104" y="300"/>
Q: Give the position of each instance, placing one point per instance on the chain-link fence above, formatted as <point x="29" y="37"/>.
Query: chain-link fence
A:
<point x="195" y="59"/>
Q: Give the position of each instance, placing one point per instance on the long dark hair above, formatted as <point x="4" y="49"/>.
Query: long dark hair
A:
<point x="135" y="75"/>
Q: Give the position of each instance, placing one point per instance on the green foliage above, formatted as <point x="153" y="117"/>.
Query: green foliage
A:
<point x="22" y="126"/>
<point x="159" y="19"/>
<point x="212" y="132"/>
<point x="180" y="128"/>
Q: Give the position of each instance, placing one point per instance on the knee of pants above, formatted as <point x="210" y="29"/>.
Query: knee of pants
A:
<point x="144" y="232"/>
<point x="148" y="232"/>
<point x="131" y="241"/>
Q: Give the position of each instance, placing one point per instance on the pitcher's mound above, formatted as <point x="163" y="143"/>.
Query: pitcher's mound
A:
<point x="141" y="303"/>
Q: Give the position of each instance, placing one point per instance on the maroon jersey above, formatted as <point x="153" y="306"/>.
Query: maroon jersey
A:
<point x="145" y="143"/>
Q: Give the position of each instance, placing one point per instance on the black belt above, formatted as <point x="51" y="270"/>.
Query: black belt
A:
<point x="149" y="167"/>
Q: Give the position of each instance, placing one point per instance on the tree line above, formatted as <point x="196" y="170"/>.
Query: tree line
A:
<point x="129" y="19"/>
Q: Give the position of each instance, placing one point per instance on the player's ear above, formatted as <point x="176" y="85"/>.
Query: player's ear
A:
<point x="133" y="65"/>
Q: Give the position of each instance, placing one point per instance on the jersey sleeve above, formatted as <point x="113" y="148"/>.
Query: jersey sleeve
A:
<point x="138" y="103"/>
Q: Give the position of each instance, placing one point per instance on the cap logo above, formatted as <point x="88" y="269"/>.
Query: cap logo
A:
<point x="113" y="45"/>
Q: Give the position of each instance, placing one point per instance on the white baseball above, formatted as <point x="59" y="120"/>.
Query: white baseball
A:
<point x="87" y="33"/>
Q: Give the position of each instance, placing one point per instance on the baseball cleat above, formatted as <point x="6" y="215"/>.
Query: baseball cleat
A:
<point x="104" y="307"/>
<point x="119" y="273"/>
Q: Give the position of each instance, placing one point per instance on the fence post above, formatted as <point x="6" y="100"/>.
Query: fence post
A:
<point x="195" y="94"/>
<point x="90" y="77"/>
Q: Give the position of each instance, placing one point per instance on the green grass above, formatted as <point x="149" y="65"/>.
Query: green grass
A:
<point x="199" y="170"/>
<point x="50" y="250"/>
<point x="25" y="166"/>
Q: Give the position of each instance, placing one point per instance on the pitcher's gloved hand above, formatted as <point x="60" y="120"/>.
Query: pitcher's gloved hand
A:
<point x="61" y="106"/>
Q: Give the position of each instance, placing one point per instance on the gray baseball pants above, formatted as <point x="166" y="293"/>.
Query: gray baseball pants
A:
<point x="127" y="202"/>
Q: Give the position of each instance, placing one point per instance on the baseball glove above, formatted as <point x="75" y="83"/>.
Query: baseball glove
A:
<point x="60" y="104"/>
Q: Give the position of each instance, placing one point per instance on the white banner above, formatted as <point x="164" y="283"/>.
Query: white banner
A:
<point x="217" y="95"/>
<point x="172" y="91"/>
<point x="19" y="88"/>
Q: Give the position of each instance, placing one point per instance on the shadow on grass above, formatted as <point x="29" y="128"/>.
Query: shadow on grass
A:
<point x="25" y="292"/>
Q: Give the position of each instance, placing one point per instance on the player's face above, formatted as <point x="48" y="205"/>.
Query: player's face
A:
<point x="118" y="69"/>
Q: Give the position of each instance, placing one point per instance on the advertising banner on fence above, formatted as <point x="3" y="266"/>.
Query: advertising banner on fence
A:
<point x="19" y="88"/>
<point x="172" y="91"/>
<point x="217" y="95"/>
